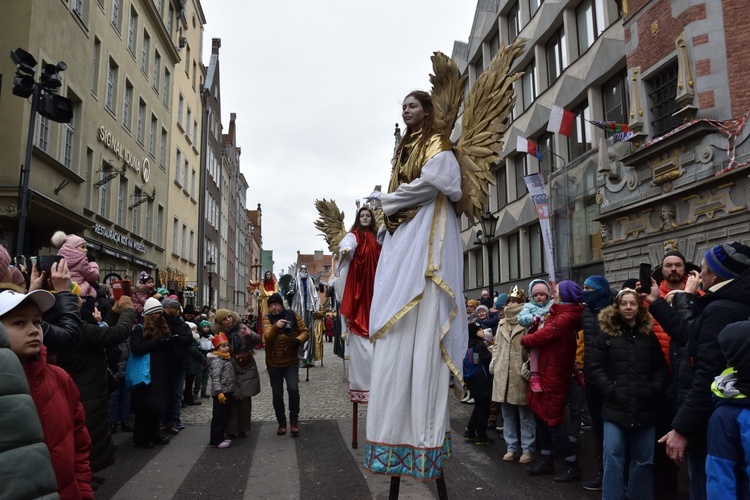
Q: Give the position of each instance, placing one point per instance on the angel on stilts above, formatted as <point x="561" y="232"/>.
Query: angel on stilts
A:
<point x="417" y="317"/>
<point x="357" y="253"/>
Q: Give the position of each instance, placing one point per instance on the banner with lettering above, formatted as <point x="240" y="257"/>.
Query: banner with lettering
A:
<point x="535" y="185"/>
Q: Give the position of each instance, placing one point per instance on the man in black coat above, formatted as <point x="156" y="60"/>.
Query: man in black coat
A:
<point x="725" y="277"/>
<point x="179" y="328"/>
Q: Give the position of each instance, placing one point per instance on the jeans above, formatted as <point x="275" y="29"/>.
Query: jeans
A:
<point x="638" y="444"/>
<point x="696" y="464"/>
<point x="119" y="404"/>
<point x="176" y="386"/>
<point x="548" y="436"/>
<point x="277" y="377"/>
<point x="478" y="420"/>
<point x="220" y="419"/>
<point x="513" y="415"/>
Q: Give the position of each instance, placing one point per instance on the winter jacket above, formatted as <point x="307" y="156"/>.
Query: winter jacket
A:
<point x="728" y="446"/>
<point x="194" y="360"/>
<point x="629" y="370"/>
<point x="64" y="423"/>
<point x="590" y="323"/>
<point x="490" y="322"/>
<point x="683" y="303"/>
<point x="87" y="365"/>
<point x="556" y="343"/>
<point x="25" y="465"/>
<point x="531" y="309"/>
<point x="725" y="303"/>
<point x="141" y="293"/>
<point x="480" y="385"/>
<point x="81" y="270"/>
<point x="180" y="345"/>
<point x="509" y="385"/>
<point x="280" y="349"/>
<point x="62" y="324"/>
<point x="154" y="396"/>
<point x="222" y="374"/>
<point x="242" y="340"/>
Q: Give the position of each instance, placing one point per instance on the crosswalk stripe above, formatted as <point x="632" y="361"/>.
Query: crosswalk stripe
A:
<point x="273" y="456"/>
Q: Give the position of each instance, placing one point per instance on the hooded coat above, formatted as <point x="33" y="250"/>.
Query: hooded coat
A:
<point x="509" y="385"/>
<point x="556" y="342"/>
<point x="87" y="365"/>
<point x="242" y="340"/>
<point x="531" y="309"/>
<point x="81" y="270"/>
<point x="628" y="367"/>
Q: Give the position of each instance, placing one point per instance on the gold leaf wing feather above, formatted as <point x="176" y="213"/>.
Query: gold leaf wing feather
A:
<point x="447" y="92"/>
<point x="484" y="122"/>
<point x="330" y="223"/>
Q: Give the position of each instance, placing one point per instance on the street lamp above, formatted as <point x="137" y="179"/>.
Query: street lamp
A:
<point x="489" y="221"/>
<point x="210" y="268"/>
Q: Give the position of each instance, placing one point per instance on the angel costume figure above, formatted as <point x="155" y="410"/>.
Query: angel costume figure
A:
<point x="305" y="303"/>
<point x="417" y="317"/>
<point x="360" y="252"/>
<point x="266" y="288"/>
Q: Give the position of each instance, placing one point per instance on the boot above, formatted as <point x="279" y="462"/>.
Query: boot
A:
<point x="594" y="484"/>
<point x="545" y="466"/>
<point x="572" y="472"/>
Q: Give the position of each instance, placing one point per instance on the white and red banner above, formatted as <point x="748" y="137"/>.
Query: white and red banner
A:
<point x="535" y="185"/>
<point x="561" y="121"/>
<point x="526" y="146"/>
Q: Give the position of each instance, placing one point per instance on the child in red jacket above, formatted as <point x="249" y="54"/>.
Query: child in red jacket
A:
<point x="53" y="391"/>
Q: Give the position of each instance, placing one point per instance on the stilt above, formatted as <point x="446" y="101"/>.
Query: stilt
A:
<point x="344" y="362"/>
<point x="395" y="484"/>
<point x="440" y="483"/>
<point x="354" y="425"/>
<point x="307" y="374"/>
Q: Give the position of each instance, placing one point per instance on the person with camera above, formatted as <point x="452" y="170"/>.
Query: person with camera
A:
<point x="283" y="333"/>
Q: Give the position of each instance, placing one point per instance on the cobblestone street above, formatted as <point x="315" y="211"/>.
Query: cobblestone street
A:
<point x="324" y="397"/>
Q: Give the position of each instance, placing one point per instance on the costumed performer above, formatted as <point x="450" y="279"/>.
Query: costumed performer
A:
<point x="360" y="252"/>
<point x="417" y="313"/>
<point x="305" y="303"/>
<point x="265" y="288"/>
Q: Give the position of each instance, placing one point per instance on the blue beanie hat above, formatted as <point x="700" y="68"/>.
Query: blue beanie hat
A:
<point x="597" y="298"/>
<point x="501" y="300"/>
<point x="570" y="292"/>
<point x="729" y="260"/>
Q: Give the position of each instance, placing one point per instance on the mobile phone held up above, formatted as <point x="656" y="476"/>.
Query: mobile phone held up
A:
<point x="644" y="276"/>
<point x="44" y="264"/>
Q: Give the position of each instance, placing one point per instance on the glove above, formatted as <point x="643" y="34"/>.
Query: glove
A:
<point x="375" y="195"/>
<point x="125" y="302"/>
<point x="580" y="380"/>
<point x="222" y="398"/>
<point x="296" y="343"/>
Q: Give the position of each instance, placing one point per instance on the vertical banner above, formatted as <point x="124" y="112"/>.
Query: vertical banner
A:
<point x="535" y="185"/>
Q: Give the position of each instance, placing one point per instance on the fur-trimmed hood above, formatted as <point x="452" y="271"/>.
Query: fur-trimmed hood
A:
<point x="610" y="324"/>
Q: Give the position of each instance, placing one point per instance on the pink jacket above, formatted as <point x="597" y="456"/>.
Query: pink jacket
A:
<point x="81" y="270"/>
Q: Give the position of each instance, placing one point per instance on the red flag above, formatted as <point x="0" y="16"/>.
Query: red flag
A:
<point x="561" y="121"/>
<point x="527" y="146"/>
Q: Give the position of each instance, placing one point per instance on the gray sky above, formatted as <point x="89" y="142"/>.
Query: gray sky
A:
<point x="317" y="88"/>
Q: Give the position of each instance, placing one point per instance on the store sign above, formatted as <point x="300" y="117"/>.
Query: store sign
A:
<point x="118" y="238"/>
<point x="141" y="167"/>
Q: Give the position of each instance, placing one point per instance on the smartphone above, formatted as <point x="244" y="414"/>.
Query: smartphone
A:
<point x="44" y="263"/>
<point x="20" y="261"/>
<point x="644" y="276"/>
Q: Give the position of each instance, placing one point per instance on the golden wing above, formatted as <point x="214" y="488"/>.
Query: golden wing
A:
<point x="447" y="92"/>
<point x="331" y="223"/>
<point x="484" y="122"/>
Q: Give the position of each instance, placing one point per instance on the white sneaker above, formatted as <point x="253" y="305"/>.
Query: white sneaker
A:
<point x="466" y="397"/>
<point x="470" y="401"/>
<point x="225" y="444"/>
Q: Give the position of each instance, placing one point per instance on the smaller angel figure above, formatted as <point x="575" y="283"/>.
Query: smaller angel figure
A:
<point x="265" y="289"/>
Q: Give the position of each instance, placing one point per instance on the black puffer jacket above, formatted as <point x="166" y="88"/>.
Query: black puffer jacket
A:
<point x="87" y="365"/>
<point x="62" y="324"/>
<point x="629" y="369"/>
<point x="703" y="357"/>
<point x="590" y="321"/>
<point x="154" y="396"/>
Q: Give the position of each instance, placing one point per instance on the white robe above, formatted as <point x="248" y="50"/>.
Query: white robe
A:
<point x="418" y="322"/>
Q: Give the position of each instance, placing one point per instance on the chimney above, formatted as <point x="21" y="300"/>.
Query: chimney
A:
<point x="215" y="45"/>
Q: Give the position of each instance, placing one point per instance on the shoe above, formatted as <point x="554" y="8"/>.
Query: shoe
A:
<point x="146" y="446"/>
<point x="126" y="428"/>
<point x="481" y="441"/>
<point x="585" y="427"/>
<point x="535" y="382"/>
<point x="470" y="401"/>
<point x="179" y="426"/>
<point x="499" y="427"/>
<point x="194" y="402"/>
<point x="466" y="397"/>
<point x="509" y="456"/>
<point x="526" y="458"/>
<point x="572" y="473"/>
<point x="205" y="395"/>
<point x="172" y="429"/>
<point x="469" y="436"/>
<point x="224" y="444"/>
<point x="113" y="428"/>
<point x="543" y="467"/>
<point x="294" y="430"/>
<point x="593" y="484"/>
<point x="161" y="440"/>
<point x="281" y="431"/>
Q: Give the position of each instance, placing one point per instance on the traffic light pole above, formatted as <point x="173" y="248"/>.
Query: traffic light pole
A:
<point x="24" y="195"/>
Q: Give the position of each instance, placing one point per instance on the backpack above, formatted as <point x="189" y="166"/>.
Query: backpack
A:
<point x="472" y="364"/>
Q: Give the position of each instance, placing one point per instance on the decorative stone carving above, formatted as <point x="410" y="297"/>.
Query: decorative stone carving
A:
<point x="685" y="91"/>
<point x="9" y="210"/>
<point x="666" y="168"/>
<point x="633" y="226"/>
<point x="636" y="109"/>
<point x="667" y="216"/>
<point x="605" y="233"/>
<point x="669" y="246"/>
<point x="710" y="203"/>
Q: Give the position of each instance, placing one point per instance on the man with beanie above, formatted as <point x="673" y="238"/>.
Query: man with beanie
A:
<point x="177" y="328"/>
<point x="728" y="440"/>
<point x="283" y="333"/>
<point x="725" y="279"/>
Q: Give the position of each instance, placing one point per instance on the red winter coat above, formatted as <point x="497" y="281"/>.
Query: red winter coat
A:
<point x="64" y="424"/>
<point x="556" y="344"/>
